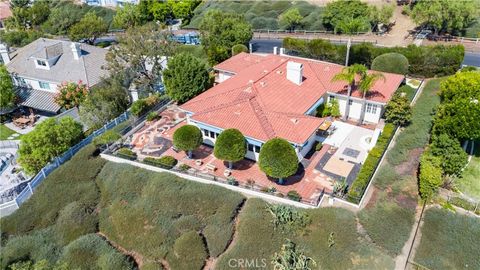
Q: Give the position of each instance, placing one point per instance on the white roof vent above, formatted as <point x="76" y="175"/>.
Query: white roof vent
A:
<point x="294" y="120"/>
<point x="295" y="72"/>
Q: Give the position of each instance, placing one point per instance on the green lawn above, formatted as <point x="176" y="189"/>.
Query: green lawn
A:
<point x="469" y="183"/>
<point x="257" y="240"/>
<point x="449" y="241"/>
<point x="5" y="132"/>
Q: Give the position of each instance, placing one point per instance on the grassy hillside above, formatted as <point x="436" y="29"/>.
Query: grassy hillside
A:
<point x="263" y="14"/>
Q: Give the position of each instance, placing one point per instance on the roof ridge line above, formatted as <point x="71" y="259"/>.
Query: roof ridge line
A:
<point x="262" y="117"/>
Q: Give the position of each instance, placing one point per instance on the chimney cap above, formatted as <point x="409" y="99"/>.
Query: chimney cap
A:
<point x="294" y="65"/>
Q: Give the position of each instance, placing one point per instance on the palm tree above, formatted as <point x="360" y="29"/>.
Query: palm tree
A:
<point x="366" y="83"/>
<point x="348" y="75"/>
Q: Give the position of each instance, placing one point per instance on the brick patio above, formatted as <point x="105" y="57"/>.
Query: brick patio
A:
<point x="309" y="182"/>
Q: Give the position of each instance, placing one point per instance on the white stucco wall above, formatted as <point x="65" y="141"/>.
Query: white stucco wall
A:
<point x="356" y="110"/>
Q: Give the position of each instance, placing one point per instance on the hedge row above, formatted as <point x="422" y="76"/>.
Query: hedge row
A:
<point x="127" y="153"/>
<point x="427" y="61"/>
<point x="366" y="172"/>
<point x="166" y="162"/>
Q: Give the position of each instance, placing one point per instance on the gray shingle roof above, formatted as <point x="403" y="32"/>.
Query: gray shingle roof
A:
<point x="38" y="99"/>
<point x="88" y="68"/>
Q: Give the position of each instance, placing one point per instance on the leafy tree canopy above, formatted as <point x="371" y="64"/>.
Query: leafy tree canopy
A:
<point x="391" y="62"/>
<point x="459" y="111"/>
<point x="278" y="158"/>
<point x="187" y="138"/>
<point x="140" y="51"/>
<point x="127" y="16"/>
<point x="398" y="110"/>
<point x="230" y="145"/>
<point x="448" y="149"/>
<point x="236" y="49"/>
<point x="445" y="15"/>
<point x="347" y="16"/>
<point x="90" y="27"/>
<point x="290" y="19"/>
<point x="7" y="92"/>
<point x="220" y="31"/>
<point x="49" y="139"/>
<point x="186" y="76"/>
<point x="104" y="102"/>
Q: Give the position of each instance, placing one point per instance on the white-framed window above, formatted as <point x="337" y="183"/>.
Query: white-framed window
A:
<point x="371" y="108"/>
<point x="205" y="132"/>
<point x="253" y="148"/>
<point x="41" y="63"/>
<point x="331" y="97"/>
<point x="350" y="102"/>
<point x="44" y="85"/>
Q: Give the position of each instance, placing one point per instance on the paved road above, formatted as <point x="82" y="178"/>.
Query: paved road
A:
<point x="472" y="59"/>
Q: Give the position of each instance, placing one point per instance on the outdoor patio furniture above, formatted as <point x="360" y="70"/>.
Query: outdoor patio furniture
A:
<point x="211" y="167"/>
<point x="227" y="173"/>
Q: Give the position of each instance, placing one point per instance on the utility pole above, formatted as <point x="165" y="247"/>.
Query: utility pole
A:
<point x="349" y="43"/>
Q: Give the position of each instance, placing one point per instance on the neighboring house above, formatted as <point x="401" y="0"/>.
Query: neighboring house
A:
<point x="110" y="3"/>
<point x="5" y="12"/>
<point x="276" y="96"/>
<point x="39" y="67"/>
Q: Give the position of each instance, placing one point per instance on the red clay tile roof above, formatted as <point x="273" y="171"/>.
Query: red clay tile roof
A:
<point x="5" y="11"/>
<point x="239" y="62"/>
<point x="262" y="103"/>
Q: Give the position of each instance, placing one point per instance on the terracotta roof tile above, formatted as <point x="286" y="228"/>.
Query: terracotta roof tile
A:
<point x="262" y="103"/>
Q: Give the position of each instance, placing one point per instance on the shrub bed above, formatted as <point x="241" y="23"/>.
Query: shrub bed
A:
<point x="294" y="196"/>
<point x="166" y="162"/>
<point x="427" y="61"/>
<point x="126" y="153"/>
<point x="363" y="178"/>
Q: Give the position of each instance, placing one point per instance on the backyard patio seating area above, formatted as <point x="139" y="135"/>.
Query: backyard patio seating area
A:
<point x="344" y="148"/>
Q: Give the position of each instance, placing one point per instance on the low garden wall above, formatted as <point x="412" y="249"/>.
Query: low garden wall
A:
<point x="210" y="180"/>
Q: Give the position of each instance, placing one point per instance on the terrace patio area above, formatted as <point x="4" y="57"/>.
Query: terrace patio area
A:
<point x="338" y="160"/>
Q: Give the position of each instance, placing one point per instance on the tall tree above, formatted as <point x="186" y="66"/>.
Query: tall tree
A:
<point x="220" y="31"/>
<point x="349" y="75"/>
<point x="185" y="77"/>
<point x="459" y="111"/>
<point x="366" y="83"/>
<point x="127" y="16"/>
<point x="230" y="146"/>
<point x="90" y="27"/>
<point x="348" y="13"/>
<point x="49" y="139"/>
<point x="278" y="159"/>
<point x="453" y="157"/>
<point x="445" y="15"/>
<point x="104" y="102"/>
<point x="7" y="93"/>
<point x="290" y="19"/>
<point x="141" y="51"/>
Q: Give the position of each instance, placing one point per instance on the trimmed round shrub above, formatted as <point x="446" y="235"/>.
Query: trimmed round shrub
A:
<point x="188" y="252"/>
<point x="236" y="49"/>
<point x="391" y="62"/>
<point x="230" y="146"/>
<point x="187" y="138"/>
<point x="278" y="158"/>
<point x="151" y="116"/>
<point x="74" y="221"/>
<point x="92" y="252"/>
